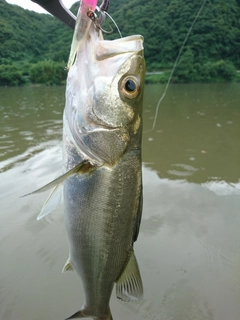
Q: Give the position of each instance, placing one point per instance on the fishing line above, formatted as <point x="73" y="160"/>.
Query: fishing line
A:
<point x="174" y="66"/>
<point x="114" y="23"/>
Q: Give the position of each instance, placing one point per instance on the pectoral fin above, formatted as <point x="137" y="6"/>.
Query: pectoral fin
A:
<point x="129" y="285"/>
<point x="54" y="199"/>
<point x="82" y="168"/>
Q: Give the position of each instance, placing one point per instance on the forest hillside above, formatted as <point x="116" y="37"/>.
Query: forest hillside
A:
<point x="35" y="47"/>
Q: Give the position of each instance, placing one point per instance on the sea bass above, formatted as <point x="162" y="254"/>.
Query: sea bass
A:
<point x="102" y="186"/>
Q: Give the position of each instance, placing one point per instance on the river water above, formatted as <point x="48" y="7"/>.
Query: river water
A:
<point x="189" y="244"/>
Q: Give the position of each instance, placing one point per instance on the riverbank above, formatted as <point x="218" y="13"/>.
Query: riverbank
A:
<point x="50" y="73"/>
<point x="213" y="73"/>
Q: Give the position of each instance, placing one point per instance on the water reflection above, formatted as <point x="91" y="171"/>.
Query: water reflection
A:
<point x="192" y="233"/>
<point x="188" y="248"/>
<point x="198" y="128"/>
<point x="29" y="116"/>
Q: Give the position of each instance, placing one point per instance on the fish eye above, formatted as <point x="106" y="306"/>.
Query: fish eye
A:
<point x="130" y="87"/>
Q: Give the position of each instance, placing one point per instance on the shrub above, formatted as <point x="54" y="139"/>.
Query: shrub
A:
<point x="11" y="76"/>
<point x="219" y="71"/>
<point x="48" y="72"/>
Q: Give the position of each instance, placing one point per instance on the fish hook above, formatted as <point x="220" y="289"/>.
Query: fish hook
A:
<point x="104" y="6"/>
<point x="103" y="9"/>
<point x="98" y="22"/>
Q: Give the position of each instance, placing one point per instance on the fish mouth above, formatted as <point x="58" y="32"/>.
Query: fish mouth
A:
<point x="110" y="48"/>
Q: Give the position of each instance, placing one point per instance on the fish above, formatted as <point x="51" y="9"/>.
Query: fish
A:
<point x="102" y="180"/>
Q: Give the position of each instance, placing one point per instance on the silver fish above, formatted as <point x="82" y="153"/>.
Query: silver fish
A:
<point x="102" y="186"/>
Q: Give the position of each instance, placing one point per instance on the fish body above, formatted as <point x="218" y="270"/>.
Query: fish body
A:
<point x="102" y="183"/>
<point x="102" y="180"/>
<point x="100" y="216"/>
<point x="103" y="125"/>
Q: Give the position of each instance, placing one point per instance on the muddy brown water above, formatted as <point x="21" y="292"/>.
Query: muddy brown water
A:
<point x="189" y="244"/>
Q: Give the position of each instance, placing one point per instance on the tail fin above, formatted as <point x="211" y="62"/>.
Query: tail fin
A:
<point x="81" y="314"/>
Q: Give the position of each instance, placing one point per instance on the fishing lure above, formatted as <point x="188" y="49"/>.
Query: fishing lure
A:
<point x="81" y="28"/>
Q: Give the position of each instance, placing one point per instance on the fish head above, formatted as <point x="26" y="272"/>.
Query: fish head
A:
<point x="118" y="87"/>
<point x="104" y="95"/>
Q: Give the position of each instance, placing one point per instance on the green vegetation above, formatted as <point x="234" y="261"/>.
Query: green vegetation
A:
<point x="10" y="75"/>
<point x="34" y="47"/>
<point x="48" y="71"/>
<point x="157" y="78"/>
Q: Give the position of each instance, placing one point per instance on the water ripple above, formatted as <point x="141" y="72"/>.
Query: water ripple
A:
<point x="10" y="162"/>
<point x="183" y="170"/>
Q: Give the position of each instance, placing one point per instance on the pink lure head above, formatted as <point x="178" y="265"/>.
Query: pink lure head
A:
<point x="89" y="4"/>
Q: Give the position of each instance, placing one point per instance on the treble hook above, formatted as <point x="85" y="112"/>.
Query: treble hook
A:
<point x="104" y="6"/>
<point x="98" y="21"/>
<point x="103" y="9"/>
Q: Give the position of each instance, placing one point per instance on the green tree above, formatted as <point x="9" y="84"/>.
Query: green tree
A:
<point x="211" y="52"/>
<point x="48" y="72"/>
<point x="11" y="76"/>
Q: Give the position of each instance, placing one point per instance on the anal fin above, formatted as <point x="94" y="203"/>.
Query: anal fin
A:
<point x="68" y="266"/>
<point x="129" y="285"/>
